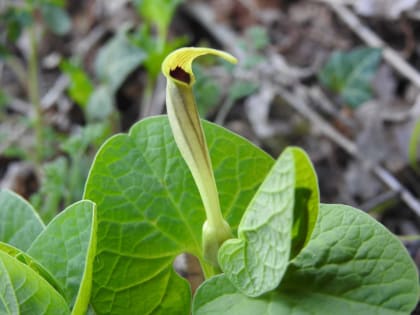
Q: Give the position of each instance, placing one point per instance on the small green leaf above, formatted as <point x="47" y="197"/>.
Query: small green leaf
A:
<point x="258" y="37"/>
<point x="132" y="179"/>
<point x="66" y="249"/>
<point x="91" y="134"/>
<point x="350" y="74"/>
<point x="19" y="222"/>
<point x="157" y="13"/>
<point x="352" y="265"/>
<point x="53" y="188"/>
<point x="100" y="104"/>
<point x="256" y="261"/>
<point x="24" y="292"/>
<point x="56" y="18"/>
<point x="80" y="87"/>
<point x="116" y="60"/>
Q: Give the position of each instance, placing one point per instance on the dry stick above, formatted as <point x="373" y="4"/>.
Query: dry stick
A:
<point x="55" y="92"/>
<point x="204" y="15"/>
<point x="350" y="147"/>
<point x="379" y="201"/>
<point x="389" y="54"/>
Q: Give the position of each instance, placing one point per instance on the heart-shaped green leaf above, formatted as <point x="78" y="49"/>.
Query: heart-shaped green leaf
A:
<point x="67" y="248"/>
<point x="19" y="222"/>
<point x="280" y="218"/>
<point x="256" y="261"/>
<point x="149" y="211"/>
<point x="352" y="265"/>
<point x="24" y="292"/>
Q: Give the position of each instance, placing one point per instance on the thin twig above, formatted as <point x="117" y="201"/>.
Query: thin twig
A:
<point x="18" y="132"/>
<point x="350" y="147"/>
<point x="380" y="201"/>
<point x="20" y="106"/>
<point x="82" y="47"/>
<point x="206" y="17"/>
<point x="366" y="34"/>
<point x="62" y="82"/>
<point x="224" y="111"/>
<point x="324" y="103"/>
<point x="53" y="94"/>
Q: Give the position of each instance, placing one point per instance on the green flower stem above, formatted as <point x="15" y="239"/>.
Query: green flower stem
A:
<point x="189" y="137"/>
<point x="185" y="123"/>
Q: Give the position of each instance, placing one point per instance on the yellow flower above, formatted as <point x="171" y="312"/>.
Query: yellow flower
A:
<point x="189" y="137"/>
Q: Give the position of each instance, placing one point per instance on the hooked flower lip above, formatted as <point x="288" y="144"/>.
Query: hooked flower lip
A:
<point x="177" y="66"/>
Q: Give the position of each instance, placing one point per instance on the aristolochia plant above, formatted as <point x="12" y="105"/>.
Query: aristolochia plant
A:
<point x="178" y="185"/>
<point x="189" y="137"/>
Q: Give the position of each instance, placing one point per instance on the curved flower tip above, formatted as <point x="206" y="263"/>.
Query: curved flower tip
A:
<point x="177" y="65"/>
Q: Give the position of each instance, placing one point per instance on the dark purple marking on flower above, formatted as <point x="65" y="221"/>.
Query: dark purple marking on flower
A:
<point x="179" y="74"/>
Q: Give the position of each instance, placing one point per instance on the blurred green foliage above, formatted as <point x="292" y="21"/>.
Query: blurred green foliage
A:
<point x="13" y="20"/>
<point x="155" y="48"/>
<point x="18" y="16"/>
<point x="158" y="13"/>
<point x="413" y="147"/>
<point x="55" y="17"/>
<point x="116" y="60"/>
<point x="64" y="177"/>
<point x="207" y="90"/>
<point x="66" y="158"/>
<point x="80" y="87"/>
<point x="349" y="74"/>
